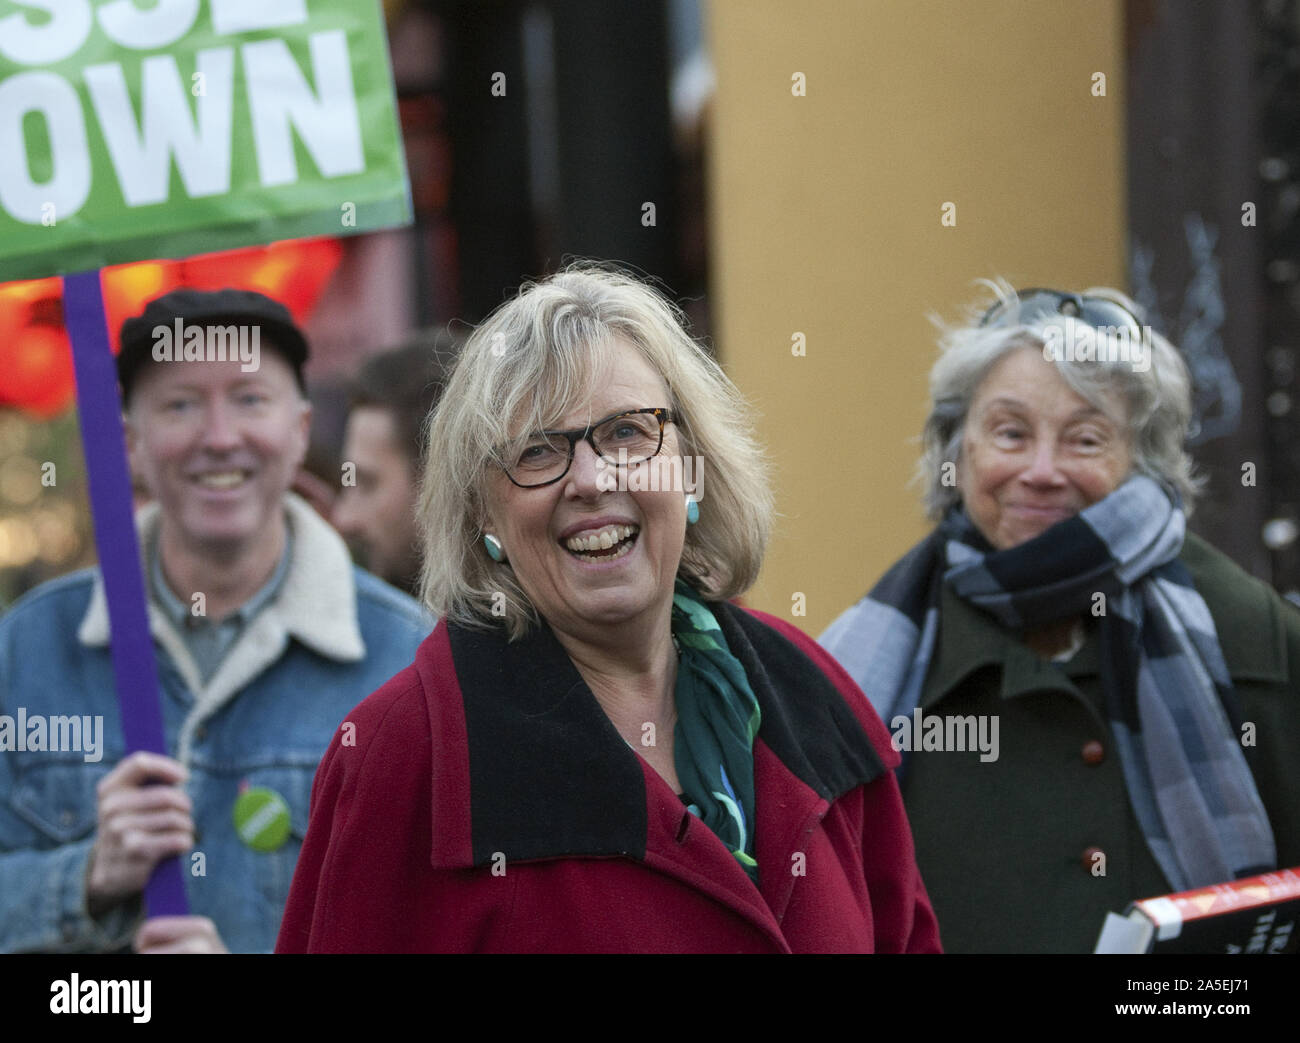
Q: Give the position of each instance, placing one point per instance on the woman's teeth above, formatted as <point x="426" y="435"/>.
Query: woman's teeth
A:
<point x="586" y="547"/>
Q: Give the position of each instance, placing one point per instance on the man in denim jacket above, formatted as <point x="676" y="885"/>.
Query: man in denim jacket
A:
<point x="266" y="637"/>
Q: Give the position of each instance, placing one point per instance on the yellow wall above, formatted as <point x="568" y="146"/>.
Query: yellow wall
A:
<point x="825" y="214"/>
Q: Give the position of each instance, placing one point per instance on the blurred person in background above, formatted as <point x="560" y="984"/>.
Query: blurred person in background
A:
<point x="265" y="636"/>
<point x="1140" y="689"/>
<point x="392" y="396"/>
<point x="596" y="751"/>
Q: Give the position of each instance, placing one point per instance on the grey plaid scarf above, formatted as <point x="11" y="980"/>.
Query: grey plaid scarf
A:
<point x="1168" y="695"/>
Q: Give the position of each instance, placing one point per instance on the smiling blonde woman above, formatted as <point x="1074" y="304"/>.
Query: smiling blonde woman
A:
<point x="596" y="751"/>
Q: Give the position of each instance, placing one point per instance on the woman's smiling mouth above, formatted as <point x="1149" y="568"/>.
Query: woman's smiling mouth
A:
<point x="607" y="543"/>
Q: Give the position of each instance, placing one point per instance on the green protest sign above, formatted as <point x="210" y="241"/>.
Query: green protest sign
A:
<point x="132" y="131"/>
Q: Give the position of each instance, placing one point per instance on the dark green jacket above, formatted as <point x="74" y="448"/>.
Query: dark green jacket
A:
<point x="1009" y="848"/>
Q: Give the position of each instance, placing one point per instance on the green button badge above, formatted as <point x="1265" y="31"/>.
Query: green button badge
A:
<point x="261" y="818"/>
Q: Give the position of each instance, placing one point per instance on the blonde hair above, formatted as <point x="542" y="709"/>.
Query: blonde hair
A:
<point x="532" y="361"/>
<point x="1158" y="399"/>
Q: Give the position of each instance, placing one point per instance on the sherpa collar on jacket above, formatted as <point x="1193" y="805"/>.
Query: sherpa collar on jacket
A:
<point x="316" y="606"/>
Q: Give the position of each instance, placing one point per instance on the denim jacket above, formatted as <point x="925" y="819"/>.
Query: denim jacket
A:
<point x="332" y="635"/>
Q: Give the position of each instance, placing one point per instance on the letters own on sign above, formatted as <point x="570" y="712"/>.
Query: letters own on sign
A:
<point x="104" y="126"/>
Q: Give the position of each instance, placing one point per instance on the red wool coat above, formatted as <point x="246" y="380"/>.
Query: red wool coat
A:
<point x="483" y="802"/>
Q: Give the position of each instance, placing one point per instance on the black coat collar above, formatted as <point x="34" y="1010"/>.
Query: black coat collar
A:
<point x="550" y="776"/>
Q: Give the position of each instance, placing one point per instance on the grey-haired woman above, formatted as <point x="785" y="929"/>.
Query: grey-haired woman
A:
<point x="1094" y="706"/>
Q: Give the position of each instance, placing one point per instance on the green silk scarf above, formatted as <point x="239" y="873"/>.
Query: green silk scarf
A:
<point x="717" y="719"/>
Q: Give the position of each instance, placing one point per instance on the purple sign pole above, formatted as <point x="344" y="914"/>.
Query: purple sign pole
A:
<point x="100" y="409"/>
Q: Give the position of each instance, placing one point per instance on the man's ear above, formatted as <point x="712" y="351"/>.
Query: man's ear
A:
<point x="132" y="438"/>
<point x="304" y="431"/>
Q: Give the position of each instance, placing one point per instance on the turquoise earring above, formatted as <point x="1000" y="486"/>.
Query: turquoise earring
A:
<point x="692" y="511"/>
<point x="495" y="551"/>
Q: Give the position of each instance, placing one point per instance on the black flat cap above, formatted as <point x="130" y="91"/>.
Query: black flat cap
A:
<point x="209" y="308"/>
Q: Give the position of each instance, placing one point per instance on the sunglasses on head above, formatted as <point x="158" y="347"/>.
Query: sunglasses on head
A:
<point x="1037" y="303"/>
